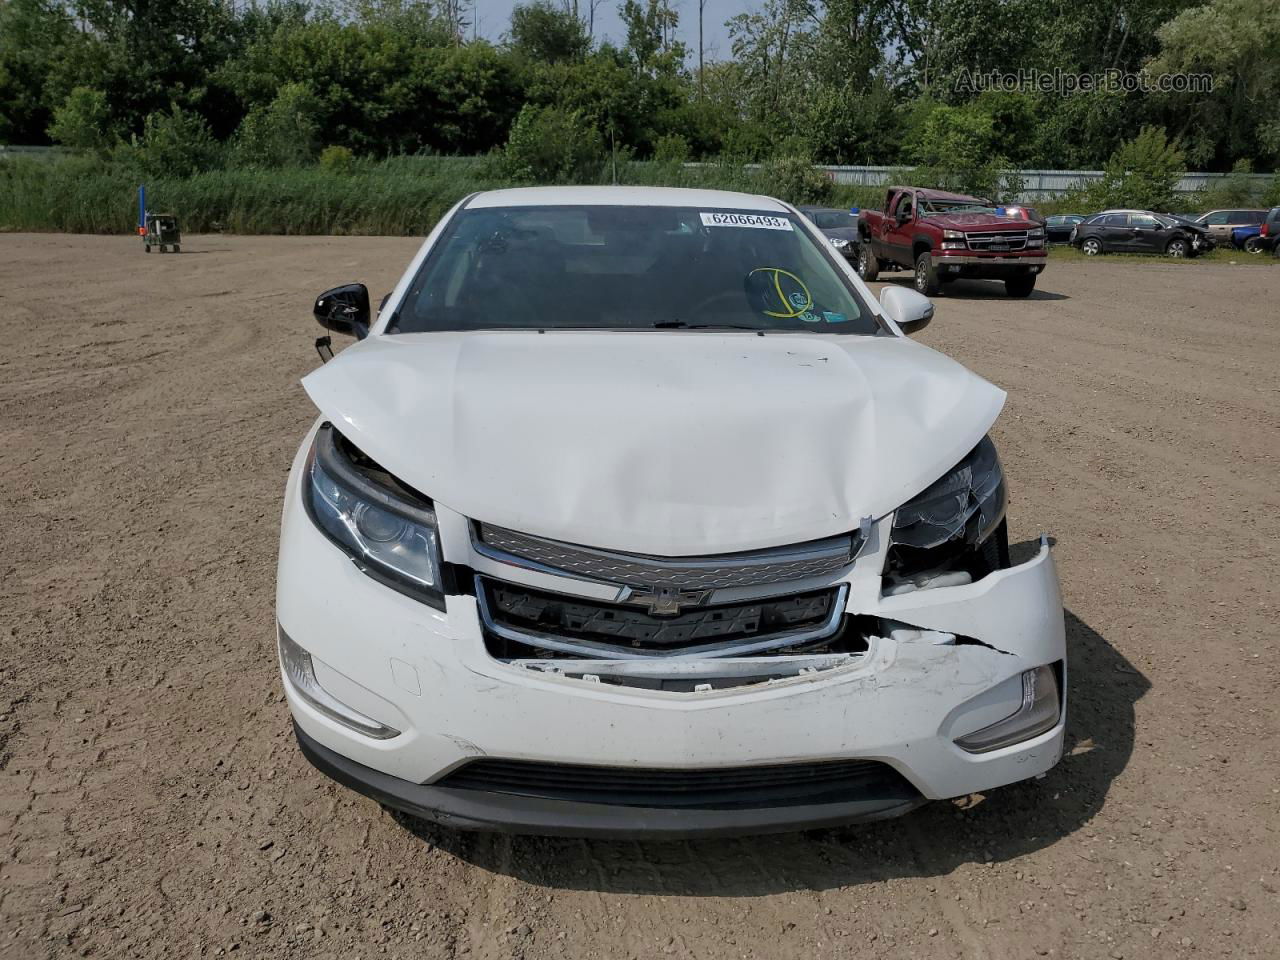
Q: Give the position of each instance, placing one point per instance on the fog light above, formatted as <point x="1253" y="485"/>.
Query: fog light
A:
<point x="302" y="675"/>
<point x="1039" y="712"/>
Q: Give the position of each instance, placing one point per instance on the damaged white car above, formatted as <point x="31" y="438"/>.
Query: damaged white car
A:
<point x="633" y="512"/>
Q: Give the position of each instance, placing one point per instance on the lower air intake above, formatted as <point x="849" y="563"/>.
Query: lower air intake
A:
<point x="835" y="781"/>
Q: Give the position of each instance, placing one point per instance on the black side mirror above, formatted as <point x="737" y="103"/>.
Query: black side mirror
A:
<point x="345" y="309"/>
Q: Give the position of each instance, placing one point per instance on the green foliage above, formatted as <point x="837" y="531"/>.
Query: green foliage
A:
<point x="957" y="149"/>
<point x="82" y="121"/>
<point x="1237" y="189"/>
<point x="338" y="160"/>
<point x="177" y="143"/>
<point x="283" y="133"/>
<point x="1141" y="174"/>
<point x="543" y="33"/>
<point x="177" y="87"/>
<point x="1235" y="41"/>
<point x="672" y="149"/>
<point x="552" y="145"/>
<point x="793" y="178"/>
<point x="1271" y="196"/>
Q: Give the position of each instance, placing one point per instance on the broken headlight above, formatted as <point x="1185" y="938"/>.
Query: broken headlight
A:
<point x="388" y="531"/>
<point x="949" y="526"/>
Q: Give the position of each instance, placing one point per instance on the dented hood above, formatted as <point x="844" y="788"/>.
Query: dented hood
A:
<point x="666" y="443"/>
<point x="977" y="221"/>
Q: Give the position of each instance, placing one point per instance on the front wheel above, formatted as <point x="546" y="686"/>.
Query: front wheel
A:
<point x="926" y="275"/>
<point x="868" y="262"/>
<point x="1177" y="249"/>
<point x="176" y="248"/>
<point x="1091" y="247"/>
<point x="1254" y="245"/>
<point x="146" y="248"/>
<point x="1020" y="286"/>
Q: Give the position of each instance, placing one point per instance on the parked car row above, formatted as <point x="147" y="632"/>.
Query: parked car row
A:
<point x="909" y="233"/>
<point x="1177" y="235"/>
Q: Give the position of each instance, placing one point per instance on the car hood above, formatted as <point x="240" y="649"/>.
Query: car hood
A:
<point x="977" y="221"/>
<point x="665" y="443"/>
<point x="842" y="233"/>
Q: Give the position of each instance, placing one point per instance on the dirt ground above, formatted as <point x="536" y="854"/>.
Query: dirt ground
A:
<point x="153" y="803"/>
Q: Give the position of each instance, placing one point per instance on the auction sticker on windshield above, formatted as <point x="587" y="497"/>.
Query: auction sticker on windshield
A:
<point x="758" y="221"/>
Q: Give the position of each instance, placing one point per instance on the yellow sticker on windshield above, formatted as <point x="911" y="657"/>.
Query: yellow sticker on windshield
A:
<point x="794" y="298"/>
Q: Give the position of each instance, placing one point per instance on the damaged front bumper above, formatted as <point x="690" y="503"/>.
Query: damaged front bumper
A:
<point x="589" y="745"/>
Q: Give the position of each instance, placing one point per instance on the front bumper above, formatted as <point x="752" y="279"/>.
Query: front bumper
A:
<point x="989" y="266"/>
<point x="428" y="674"/>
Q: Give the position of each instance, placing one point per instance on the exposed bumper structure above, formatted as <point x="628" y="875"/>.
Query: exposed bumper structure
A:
<point x="940" y="664"/>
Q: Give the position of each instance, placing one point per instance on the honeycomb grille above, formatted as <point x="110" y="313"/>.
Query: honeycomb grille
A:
<point x="758" y="568"/>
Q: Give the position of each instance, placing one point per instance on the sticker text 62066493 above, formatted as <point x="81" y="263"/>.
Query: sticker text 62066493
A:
<point x="759" y="221"/>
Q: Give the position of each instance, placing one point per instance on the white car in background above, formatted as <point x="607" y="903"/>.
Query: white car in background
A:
<point x="633" y="512"/>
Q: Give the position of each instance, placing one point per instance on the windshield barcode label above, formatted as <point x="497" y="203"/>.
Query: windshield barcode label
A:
<point x="758" y="221"/>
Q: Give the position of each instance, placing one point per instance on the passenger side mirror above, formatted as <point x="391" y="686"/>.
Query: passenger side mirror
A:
<point x="911" y="311"/>
<point x="345" y="309"/>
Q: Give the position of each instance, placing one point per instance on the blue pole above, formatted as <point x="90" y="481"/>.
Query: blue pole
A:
<point x="142" y="206"/>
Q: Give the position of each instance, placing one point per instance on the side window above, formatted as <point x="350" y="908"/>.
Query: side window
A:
<point x="1145" y="222"/>
<point x="1116" y="220"/>
<point x="903" y="202"/>
<point x="1217" y="218"/>
<point x="1256" y="216"/>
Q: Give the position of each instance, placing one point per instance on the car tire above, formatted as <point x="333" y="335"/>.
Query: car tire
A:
<point x="176" y="248"/>
<point x="1178" y="248"/>
<point x="1091" y="247"/>
<point x="1254" y="246"/>
<point x="1020" y="286"/>
<point x="868" y="263"/>
<point x="146" y="248"/>
<point x="926" y="275"/>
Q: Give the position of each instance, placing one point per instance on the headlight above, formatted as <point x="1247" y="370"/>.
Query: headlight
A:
<point x="391" y="538"/>
<point x="952" y="234"/>
<point x="1036" y="232"/>
<point x="966" y="504"/>
<point x="838" y="243"/>
<point x="1038" y="713"/>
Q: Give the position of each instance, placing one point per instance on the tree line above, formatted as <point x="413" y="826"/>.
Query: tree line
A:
<point x="183" y="86"/>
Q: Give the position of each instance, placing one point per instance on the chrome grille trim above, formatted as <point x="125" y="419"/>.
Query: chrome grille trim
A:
<point x="1016" y="239"/>
<point x="640" y="572"/>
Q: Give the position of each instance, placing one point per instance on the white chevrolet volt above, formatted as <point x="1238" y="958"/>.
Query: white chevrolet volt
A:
<point x="633" y="512"/>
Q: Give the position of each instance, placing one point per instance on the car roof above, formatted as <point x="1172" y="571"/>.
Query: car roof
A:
<point x="1234" y="210"/>
<point x="822" y="210"/>
<point x="625" y="197"/>
<point x="929" y="194"/>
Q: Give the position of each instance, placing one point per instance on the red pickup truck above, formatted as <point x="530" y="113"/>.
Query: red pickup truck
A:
<point x="942" y="236"/>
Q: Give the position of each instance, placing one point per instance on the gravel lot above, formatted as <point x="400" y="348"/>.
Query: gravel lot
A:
<point x="153" y="804"/>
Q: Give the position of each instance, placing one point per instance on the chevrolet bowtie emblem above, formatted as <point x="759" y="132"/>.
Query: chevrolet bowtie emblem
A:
<point x="667" y="601"/>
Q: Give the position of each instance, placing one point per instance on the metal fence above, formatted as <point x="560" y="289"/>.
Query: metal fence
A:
<point x="1038" y="184"/>
<point x="7" y="150"/>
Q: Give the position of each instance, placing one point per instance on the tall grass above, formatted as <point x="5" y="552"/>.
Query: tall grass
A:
<point x="398" y="196"/>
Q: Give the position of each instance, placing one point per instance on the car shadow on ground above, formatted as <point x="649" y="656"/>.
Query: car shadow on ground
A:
<point x="975" y="289"/>
<point x="930" y="842"/>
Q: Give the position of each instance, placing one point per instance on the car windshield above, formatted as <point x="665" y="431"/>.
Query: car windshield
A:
<point x="832" y="219"/>
<point x="931" y="207"/>
<point x="630" y="268"/>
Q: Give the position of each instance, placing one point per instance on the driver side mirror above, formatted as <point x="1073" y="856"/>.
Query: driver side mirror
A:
<point x="345" y="309"/>
<point x="911" y="311"/>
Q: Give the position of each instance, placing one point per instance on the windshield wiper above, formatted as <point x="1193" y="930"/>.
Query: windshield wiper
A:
<point x="683" y="325"/>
